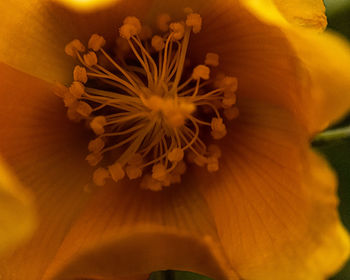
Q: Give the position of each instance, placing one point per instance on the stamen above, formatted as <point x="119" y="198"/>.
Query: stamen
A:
<point x="96" y="42"/>
<point x="133" y="172"/>
<point x="116" y="171"/>
<point x="94" y="158"/>
<point x="159" y="172"/>
<point x="73" y="47"/>
<point x="163" y="22"/>
<point x="96" y="145"/>
<point x="84" y="109"/>
<point x="201" y="72"/>
<point x="212" y="164"/>
<point x="178" y="30"/>
<point x="176" y="155"/>
<point x="69" y="99"/>
<point x="218" y="128"/>
<point x="97" y="124"/>
<point x="149" y="109"/>
<point x="158" y="43"/>
<point x="195" y="21"/>
<point x="77" y="89"/>
<point x="231" y="113"/>
<point x="212" y="59"/>
<point x="90" y="59"/>
<point x="134" y="21"/>
<point x="100" y="175"/>
<point x="79" y="74"/>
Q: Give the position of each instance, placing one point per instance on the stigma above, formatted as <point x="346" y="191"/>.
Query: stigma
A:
<point x="151" y="111"/>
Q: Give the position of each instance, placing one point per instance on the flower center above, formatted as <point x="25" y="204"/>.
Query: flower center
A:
<point x="148" y="119"/>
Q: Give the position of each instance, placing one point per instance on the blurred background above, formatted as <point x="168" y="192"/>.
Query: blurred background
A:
<point x="337" y="152"/>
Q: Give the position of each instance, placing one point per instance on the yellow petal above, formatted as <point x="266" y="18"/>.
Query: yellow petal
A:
<point x="17" y="218"/>
<point x="46" y="152"/>
<point x="126" y="230"/>
<point x="274" y="202"/>
<point x="307" y="13"/>
<point x="87" y="5"/>
<point x="325" y="58"/>
<point x="33" y="33"/>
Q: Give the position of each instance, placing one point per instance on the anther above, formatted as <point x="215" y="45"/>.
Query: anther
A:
<point x="194" y="20"/>
<point x="69" y="99"/>
<point x="96" y="145"/>
<point x="201" y="72"/>
<point x="200" y="160"/>
<point x="178" y="30"/>
<point x="99" y="176"/>
<point x="74" y="46"/>
<point x="163" y="22"/>
<point x="212" y="164"/>
<point x="84" y="109"/>
<point x="212" y="59"/>
<point x="228" y="101"/>
<point x="149" y="183"/>
<point x="231" y="113"/>
<point x="116" y="171"/>
<point x="94" y="158"/>
<point x="134" y="21"/>
<point x="77" y="89"/>
<point x="175" y="155"/>
<point x="230" y="84"/>
<point x="90" y="59"/>
<point x="127" y="30"/>
<point x="157" y="43"/>
<point x="96" y="42"/>
<point x="188" y="10"/>
<point x="159" y="172"/>
<point x="97" y="124"/>
<point x="218" y="128"/>
<point x="133" y="172"/>
<point x="136" y="159"/>
<point x="72" y="113"/>
<point x="180" y="168"/>
<point x="79" y="74"/>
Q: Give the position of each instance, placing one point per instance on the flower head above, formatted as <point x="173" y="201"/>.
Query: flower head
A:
<point x="197" y="132"/>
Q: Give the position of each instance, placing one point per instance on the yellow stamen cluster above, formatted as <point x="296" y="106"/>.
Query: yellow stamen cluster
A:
<point x="146" y="117"/>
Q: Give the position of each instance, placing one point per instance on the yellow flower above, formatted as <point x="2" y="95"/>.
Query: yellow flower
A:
<point x="269" y="212"/>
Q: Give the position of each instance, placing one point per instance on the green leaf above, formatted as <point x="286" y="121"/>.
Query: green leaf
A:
<point x="338" y="154"/>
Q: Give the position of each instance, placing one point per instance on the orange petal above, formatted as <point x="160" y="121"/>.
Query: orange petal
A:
<point x="126" y="231"/>
<point x="324" y="60"/>
<point x="33" y="33"/>
<point x="46" y="153"/>
<point x="274" y="202"/>
<point x="276" y="62"/>
<point x="17" y="213"/>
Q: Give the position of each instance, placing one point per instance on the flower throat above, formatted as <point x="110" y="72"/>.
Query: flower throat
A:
<point x="146" y="115"/>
